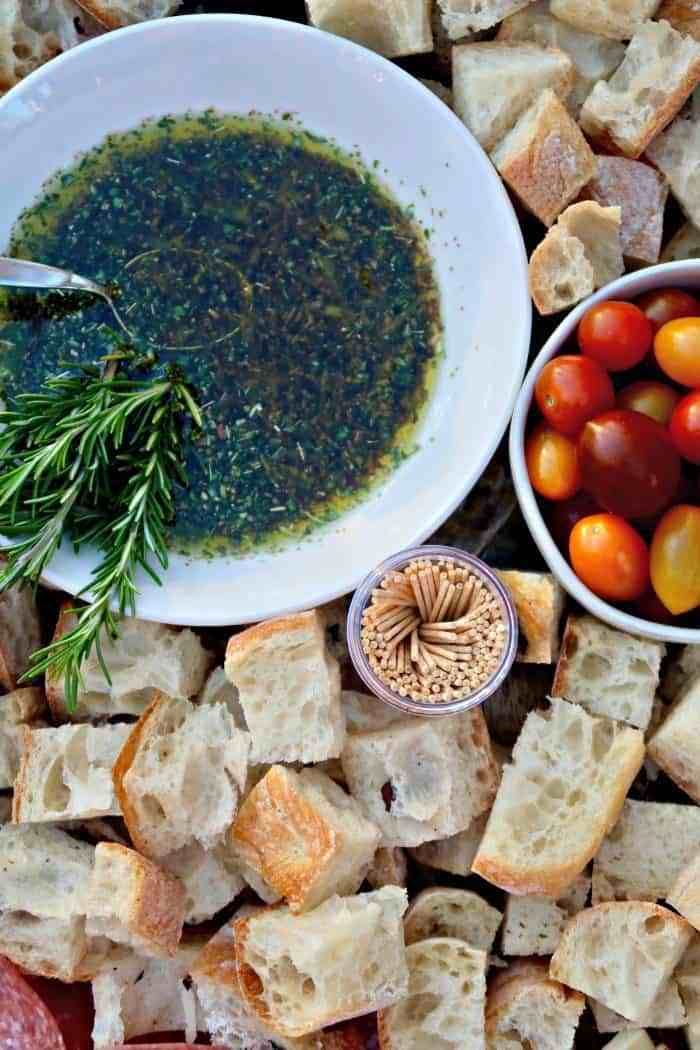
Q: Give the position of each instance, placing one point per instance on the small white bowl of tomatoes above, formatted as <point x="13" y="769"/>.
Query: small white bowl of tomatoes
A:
<point x="605" y="453"/>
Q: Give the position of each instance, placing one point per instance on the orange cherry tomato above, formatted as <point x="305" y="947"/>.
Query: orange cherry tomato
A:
<point x="685" y="427"/>
<point x="675" y="559"/>
<point x="656" y="400"/>
<point x="571" y="390"/>
<point x="610" y="557"/>
<point x="562" y="516"/>
<point x="617" y="335"/>
<point x="552" y="463"/>
<point x="666" y="305"/>
<point x="677" y="350"/>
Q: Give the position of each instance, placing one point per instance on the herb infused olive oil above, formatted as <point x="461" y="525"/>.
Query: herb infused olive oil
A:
<point x="294" y="294"/>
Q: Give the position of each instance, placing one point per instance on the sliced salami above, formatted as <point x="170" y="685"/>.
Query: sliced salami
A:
<point x="25" y="1022"/>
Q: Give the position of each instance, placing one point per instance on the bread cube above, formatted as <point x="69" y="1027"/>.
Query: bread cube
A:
<point x="66" y="773"/>
<point x="211" y="879"/>
<point x="534" y="925"/>
<point x="365" y="713"/>
<point x="675" y="154"/>
<point x="180" y="776"/>
<point x="305" y="836"/>
<point x="17" y="709"/>
<point x="684" y="895"/>
<point x="20" y="633"/>
<point x="659" y="71"/>
<point x="493" y="83"/>
<point x="682" y="667"/>
<point x="388" y="868"/>
<point x="455" y="853"/>
<point x="621" y="953"/>
<point x="544" y="159"/>
<point x="667" y="1011"/>
<point x="558" y="800"/>
<point x="442" y="912"/>
<point x="218" y="690"/>
<point x="461" y="17"/>
<point x="523" y="1002"/>
<point x="640" y="192"/>
<point x="607" y="671"/>
<point x="638" y="1040"/>
<point x="289" y="688"/>
<point x="299" y="973"/>
<point x="683" y="245"/>
<point x="391" y="27"/>
<point x="114" y="14"/>
<point x="539" y="602"/>
<point x="683" y="15"/>
<point x="446" y="994"/>
<point x="674" y="746"/>
<point x="618" y="21"/>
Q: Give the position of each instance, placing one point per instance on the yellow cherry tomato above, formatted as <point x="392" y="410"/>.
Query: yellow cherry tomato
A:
<point x="677" y="350"/>
<point x="675" y="559"/>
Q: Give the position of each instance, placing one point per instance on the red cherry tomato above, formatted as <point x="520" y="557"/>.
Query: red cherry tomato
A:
<point x="563" y="516"/>
<point x="666" y="305"/>
<point x="656" y="400"/>
<point x="571" y="390"/>
<point x="677" y="350"/>
<point x="675" y="559"/>
<point x="617" y="335"/>
<point x="628" y="463"/>
<point x="552" y="463"/>
<point x="610" y="557"/>
<point x="685" y="427"/>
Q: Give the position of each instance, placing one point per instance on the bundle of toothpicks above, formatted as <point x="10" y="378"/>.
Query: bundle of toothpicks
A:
<point x="433" y="631"/>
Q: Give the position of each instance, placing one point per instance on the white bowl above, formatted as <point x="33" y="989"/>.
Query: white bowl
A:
<point x="665" y="275"/>
<point x="346" y="93"/>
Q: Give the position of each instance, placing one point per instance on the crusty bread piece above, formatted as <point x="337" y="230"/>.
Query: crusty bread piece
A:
<point x="534" y="925"/>
<point x="446" y="997"/>
<point x="33" y="32"/>
<point x="658" y="73"/>
<point x="558" y="800"/>
<point x="675" y="154"/>
<point x="289" y="687"/>
<point x="443" y="912"/>
<point x="455" y="853"/>
<point x="607" y="671"/>
<point x="667" y="1011"/>
<point x="684" y="895"/>
<point x="559" y="274"/>
<point x="365" y="714"/>
<point x="114" y="14"/>
<point x="461" y="17"/>
<point x="391" y="27"/>
<point x="594" y="57"/>
<point x="65" y="773"/>
<point x="134" y="902"/>
<point x="305" y="836"/>
<point x="638" y="1040"/>
<point x="20" y="630"/>
<point x="17" y="709"/>
<point x="621" y="953"/>
<point x="211" y="878"/>
<point x="683" y="245"/>
<point x="675" y="746"/>
<point x="683" y="15"/>
<point x="218" y="690"/>
<point x="525" y="1008"/>
<point x="618" y="20"/>
<point x="146" y="657"/>
<point x="443" y="93"/>
<point x="545" y="159"/>
<point x="493" y="83"/>
<point x="180" y="775"/>
<point x="388" y="868"/>
<point x="640" y="192"/>
<point x="682" y="667"/>
<point x="539" y="601"/>
<point x="299" y="973"/>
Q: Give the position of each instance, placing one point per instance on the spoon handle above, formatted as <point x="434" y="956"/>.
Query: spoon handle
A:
<point x="19" y="273"/>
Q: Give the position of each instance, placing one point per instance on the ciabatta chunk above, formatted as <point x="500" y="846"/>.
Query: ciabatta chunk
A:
<point x="391" y="27"/>
<point x="618" y="20"/>
<point x="675" y="746"/>
<point x="17" y="709"/>
<point x="114" y="14"/>
<point x="539" y="601"/>
<point x="525" y="1008"/>
<point x="534" y="925"/>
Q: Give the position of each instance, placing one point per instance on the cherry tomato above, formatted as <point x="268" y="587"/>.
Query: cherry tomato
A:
<point x="552" y="463"/>
<point x="563" y="516"/>
<point x="666" y="305"/>
<point x="685" y="427"/>
<point x="677" y="350"/>
<point x="617" y="335"/>
<point x="675" y="559"/>
<point x="571" y="390"/>
<point x="610" y="557"/>
<point x="656" y="400"/>
<point x="628" y="463"/>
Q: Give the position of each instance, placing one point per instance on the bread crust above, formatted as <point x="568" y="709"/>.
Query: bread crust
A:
<point x="539" y="601"/>
<point x="240" y="644"/>
<point x="683" y="15"/>
<point x="54" y="693"/>
<point x="125" y="760"/>
<point x="526" y="976"/>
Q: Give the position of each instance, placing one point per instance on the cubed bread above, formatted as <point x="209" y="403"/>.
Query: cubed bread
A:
<point x="66" y="773"/>
<point x="443" y="912"/>
<point x="683" y="245"/>
<point x="446" y="995"/>
<point x="638" y="1040"/>
<point x="557" y="801"/>
<point x="218" y="690"/>
<point x="621" y="954"/>
<point x="544" y="159"/>
<point x="658" y="73"/>
<point x="493" y="83"/>
<point x="17" y="709"/>
<point x="679" y="671"/>
<point x="180" y="776"/>
<point x="365" y="714"/>
<point x="675" y="746"/>
<point x="25" y="46"/>
<point x="683" y="15"/>
<point x="211" y="878"/>
<point x="684" y="895"/>
<point x="539" y="601"/>
<point x="454" y="854"/>
<point x="20" y="629"/>
<point x="618" y="20"/>
<point x="559" y="273"/>
<point x="640" y="192"/>
<point x="594" y="57"/>
<point x="675" y="154"/>
<point x="114" y="14"/>
<point x="607" y="671"/>
<point x="534" y="925"/>
<point x="391" y="27"/>
<point x="666" y="1011"/>
<point x="305" y="836"/>
<point x="299" y="973"/>
<point x="388" y="868"/>
<point x="646" y="851"/>
<point x="134" y="902"/>
<point x="525" y="1008"/>
<point x="289" y="688"/>
<point x="143" y="658"/>
<point x="461" y="17"/>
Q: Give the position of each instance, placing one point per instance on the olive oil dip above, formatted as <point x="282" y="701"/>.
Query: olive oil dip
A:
<point x="294" y="293"/>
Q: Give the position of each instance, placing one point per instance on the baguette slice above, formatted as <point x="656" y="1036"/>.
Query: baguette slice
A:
<point x="211" y="879"/>
<point x="446" y="995"/>
<point x="675" y="746"/>
<point x="638" y="1040"/>
<point x="675" y="154"/>
<point x="621" y="954"/>
<point x="17" y="709"/>
<point x="526" y="1008"/>
<point x="545" y="159"/>
<point x="667" y="1011"/>
<point x="461" y="17"/>
<point x="390" y="27"/>
<point x="660" y="70"/>
<point x="114" y="14"/>
<point x="558" y="800"/>
<point x="618" y="20"/>
<point x="683" y="245"/>
<point x="20" y="629"/>
<point x="539" y="601"/>
<point x="683" y="15"/>
<point x="442" y="912"/>
<point x="454" y="854"/>
<point x="640" y="192"/>
<point x="534" y="925"/>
